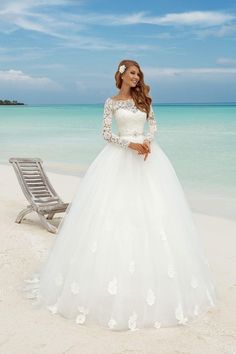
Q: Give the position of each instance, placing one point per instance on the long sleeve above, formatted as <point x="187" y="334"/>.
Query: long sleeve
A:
<point x="107" y="127"/>
<point x="152" y="125"/>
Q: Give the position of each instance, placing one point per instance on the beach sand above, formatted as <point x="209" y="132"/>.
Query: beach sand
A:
<point x="24" y="329"/>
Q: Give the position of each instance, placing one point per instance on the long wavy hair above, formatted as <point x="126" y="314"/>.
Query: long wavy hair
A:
<point x="140" y="92"/>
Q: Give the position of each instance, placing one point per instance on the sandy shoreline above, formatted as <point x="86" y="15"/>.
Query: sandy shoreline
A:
<point x="26" y="330"/>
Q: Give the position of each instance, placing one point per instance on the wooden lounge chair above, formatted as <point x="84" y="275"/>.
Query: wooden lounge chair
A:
<point x="38" y="190"/>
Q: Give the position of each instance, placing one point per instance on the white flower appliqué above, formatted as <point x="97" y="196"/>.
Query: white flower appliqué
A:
<point x="80" y="319"/>
<point x="53" y="309"/>
<point x="180" y="315"/>
<point x="150" y="298"/>
<point x="157" y="324"/>
<point x="112" y="286"/>
<point x="132" y="321"/>
<point x="111" y="323"/>
<point x="74" y="287"/>
<point x="122" y="68"/>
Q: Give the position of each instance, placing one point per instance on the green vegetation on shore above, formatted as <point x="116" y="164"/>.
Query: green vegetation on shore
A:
<point x="10" y="103"/>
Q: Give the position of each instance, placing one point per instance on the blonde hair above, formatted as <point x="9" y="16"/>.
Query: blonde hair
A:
<point x="140" y="92"/>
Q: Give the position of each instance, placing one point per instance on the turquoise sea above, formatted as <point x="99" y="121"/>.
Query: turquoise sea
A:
<point x="200" y="140"/>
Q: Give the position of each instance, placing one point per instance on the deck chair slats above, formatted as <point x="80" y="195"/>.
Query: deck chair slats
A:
<point x="29" y="178"/>
<point x="37" y="193"/>
<point x="35" y="184"/>
<point x="48" y="200"/>
<point x="32" y="170"/>
<point x="33" y="181"/>
<point x="38" y="190"/>
<point x="30" y="173"/>
<point x="45" y="203"/>
<point x="24" y="164"/>
<point x="29" y="182"/>
<point x="27" y="165"/>
<point x="41" y="195"/>
<point x="26" y="170"/>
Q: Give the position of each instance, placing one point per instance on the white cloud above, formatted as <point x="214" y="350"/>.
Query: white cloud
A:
<point x="12" y="6"/>
<point x="68" y="27"/>
<point x="93" y="43"/>
<point x="201" y="18"/>
<point x="192" y="18"/>
<point x="222" y="31"/>
<point x="226" y="61"/>
<point x="62" y="25"/>
<point x="17" y="77"/>
<point x="27" y="14"/>
<point x="172" y="72"/>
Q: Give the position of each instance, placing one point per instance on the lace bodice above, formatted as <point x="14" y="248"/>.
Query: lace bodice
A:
<point x="129" y="121"/>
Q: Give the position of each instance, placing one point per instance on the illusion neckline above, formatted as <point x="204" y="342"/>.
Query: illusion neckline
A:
<point x="128" y="99"/>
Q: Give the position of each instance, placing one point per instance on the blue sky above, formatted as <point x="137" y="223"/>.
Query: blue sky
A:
<point x="67" y="51"/>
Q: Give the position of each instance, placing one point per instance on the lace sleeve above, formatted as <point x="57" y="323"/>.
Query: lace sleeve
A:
<point x="152" y="124"/>
<point x="107" y="126"/>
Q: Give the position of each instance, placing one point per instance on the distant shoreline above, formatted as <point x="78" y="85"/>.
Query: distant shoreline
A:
<point x="10" y="103"/>
<point x="100" y="103"/>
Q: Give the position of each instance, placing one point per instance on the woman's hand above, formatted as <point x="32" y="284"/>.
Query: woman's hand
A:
<point x="143" y="148"/>
<point x="138" y="147"/>
<point x="146" y="143"/>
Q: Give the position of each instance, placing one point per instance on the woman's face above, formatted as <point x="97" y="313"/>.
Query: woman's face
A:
<point x="131" y="76"/>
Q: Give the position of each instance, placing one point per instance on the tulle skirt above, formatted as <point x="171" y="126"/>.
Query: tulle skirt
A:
<point x="127" y="253"/>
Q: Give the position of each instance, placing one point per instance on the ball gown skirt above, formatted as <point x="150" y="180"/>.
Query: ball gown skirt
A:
<point x="127" y="254"/>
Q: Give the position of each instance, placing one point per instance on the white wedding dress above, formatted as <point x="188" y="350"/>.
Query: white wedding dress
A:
<point x="127" y="253"/>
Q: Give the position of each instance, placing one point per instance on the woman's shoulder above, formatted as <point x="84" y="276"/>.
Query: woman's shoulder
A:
<point x="110" y="99"/>
<point x="115" y="98"/>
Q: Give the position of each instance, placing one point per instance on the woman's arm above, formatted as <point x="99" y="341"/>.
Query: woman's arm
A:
<point x="107" y="126"/>
<point x="152" y="125"/>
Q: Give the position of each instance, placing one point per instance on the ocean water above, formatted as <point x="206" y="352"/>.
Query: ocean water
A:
<point x="199" y="140"/>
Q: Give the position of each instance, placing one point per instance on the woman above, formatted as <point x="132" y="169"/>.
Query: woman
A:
<point x="127" y="254"/>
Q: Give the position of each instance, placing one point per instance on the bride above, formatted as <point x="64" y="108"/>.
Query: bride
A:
<point x="127" y="253"/>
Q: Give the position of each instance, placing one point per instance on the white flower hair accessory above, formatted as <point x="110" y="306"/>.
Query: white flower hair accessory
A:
<point x="122" y="68"/>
